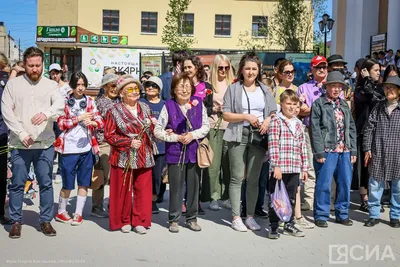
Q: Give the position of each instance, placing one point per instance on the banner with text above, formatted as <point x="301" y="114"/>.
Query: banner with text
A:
<point x="94" y="60"/>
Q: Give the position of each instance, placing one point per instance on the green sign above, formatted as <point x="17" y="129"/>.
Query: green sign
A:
<point x="104" y="40"/>
<point x="58" y="34"/>
<point x="84" y="38"/>
<point x="114" y="39"/>
<point x="94" y="39"/>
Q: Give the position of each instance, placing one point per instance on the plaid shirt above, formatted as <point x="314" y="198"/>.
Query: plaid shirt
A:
<point x="68" y="122"/>
<point x="381" y="137"/>
<point x="103" y="105"/>
<point x="287" y="149"/>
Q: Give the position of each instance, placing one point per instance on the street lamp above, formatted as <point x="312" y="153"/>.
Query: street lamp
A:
<point x="325" y="26"/>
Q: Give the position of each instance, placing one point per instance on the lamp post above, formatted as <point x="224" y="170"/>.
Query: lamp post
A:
<point x="325" y="26"/>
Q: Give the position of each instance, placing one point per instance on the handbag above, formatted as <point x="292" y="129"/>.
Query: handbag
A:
<point x="255" y="138"/>
<point x="205" y="154"/>
<point x="97" y="179"/>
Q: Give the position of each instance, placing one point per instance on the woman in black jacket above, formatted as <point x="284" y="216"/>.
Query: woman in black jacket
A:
<point x="366" y="96"/>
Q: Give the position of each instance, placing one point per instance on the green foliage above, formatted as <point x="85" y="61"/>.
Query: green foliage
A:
<point x="174" y="30"/>
<point x="291" y="25"/>
<point x="319" y="8"/>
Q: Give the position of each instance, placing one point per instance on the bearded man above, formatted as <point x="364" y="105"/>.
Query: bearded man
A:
<point x="29" y="105"/>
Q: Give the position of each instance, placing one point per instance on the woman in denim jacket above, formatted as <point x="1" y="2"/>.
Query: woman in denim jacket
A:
<point x="333" y="142"/>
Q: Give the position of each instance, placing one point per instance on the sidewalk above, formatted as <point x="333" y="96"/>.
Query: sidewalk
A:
<point x="91" y="244"/>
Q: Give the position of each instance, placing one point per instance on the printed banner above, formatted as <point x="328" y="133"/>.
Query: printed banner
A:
<point x="153" y="64"/>
<point x="94" y="60"/>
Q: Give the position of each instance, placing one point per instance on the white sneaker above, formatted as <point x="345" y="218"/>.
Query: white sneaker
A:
<point x="303" y="223"/>
<point x="140" y="230"/>
<point x="252" y="224"/>
<point x="126" y="228"/>
<point x="226" y="204"/>
<point x="214" y="205"/>
<point x="238" y="225"/>
<point x="58" y="179"/>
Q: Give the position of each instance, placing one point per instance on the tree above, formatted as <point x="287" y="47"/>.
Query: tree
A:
<point x="173" y="34"/>
<point x="292" y="25"/>
<point x="319" y="9"/>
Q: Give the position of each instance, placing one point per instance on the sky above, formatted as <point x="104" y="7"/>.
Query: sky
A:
<point x="20" y="18"/>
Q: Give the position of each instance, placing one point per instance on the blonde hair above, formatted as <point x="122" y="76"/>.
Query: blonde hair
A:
<point x="214" y="71"/>
<point x="3" y="60"/>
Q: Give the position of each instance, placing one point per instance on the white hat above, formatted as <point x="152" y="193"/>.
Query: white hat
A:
<point x="55" y="66"/>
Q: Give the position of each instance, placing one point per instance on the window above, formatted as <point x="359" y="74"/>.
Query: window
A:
<point x="223" y="25"/>
<point x="259" y="26"/>
<point x="111" y="20"/>
<point x="187" y="27"/>
<point x="149" y="22"/>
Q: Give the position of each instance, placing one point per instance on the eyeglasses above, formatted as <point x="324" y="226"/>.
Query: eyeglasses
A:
<point x="288" y="72"/>
<point x="180" y="87"/>
<point x="132" y="90"/>
<point x="152" y="85"/>
<point x="226" y="68"/>
<point x="321" y="67"/>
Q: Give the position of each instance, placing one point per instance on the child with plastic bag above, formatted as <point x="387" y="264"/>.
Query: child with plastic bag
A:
<point x="288" y="159"/>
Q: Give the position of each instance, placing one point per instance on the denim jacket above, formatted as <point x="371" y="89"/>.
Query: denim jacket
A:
<point x="324" y="127"/>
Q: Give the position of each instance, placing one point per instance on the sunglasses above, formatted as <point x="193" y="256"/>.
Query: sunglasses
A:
<point x="287" y="73"/>
<point x="221" y="68"/>
<point x="132" y="90"/>
<point x="152" y="85"/>
<point x="321" y="67"/>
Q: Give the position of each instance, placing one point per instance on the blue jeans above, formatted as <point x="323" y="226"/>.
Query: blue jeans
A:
<point x="338" y="166"/>
<point x="375" y="194"/>
<point x="42" y="160"/>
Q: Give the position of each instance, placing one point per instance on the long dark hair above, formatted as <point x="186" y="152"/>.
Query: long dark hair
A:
<point x="73" y="82"/>
<point x="388" y="70"/>
<point x="249" y="57"/>
<point x="368" y="64"/>
<point x="201" y="73"/>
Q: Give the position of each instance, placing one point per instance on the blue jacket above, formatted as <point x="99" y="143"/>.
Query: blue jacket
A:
<point x="166" y="79"/>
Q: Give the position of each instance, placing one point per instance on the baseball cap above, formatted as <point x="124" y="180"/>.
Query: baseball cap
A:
<point x="315" y="61"/>
<point x="55" y="66"/>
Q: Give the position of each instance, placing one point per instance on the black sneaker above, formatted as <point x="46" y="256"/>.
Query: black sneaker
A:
<point x="200" y="210"/>
<point x="273" y="234"/>
<point x="261" y="213"/>
<point x="154" y="208"/>
<point x="371" y="222"/>
<point x="346" y="222"/>
<point x="99" y="212"/>
<point x="291" y="229"/>
<point x="4" y="220"/>
<point x="321" y="223"/>
<point x="395" y="223"/>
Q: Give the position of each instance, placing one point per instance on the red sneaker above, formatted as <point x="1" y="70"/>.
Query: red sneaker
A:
<point x="77" y="220"/>
<point x="63" y="217"/>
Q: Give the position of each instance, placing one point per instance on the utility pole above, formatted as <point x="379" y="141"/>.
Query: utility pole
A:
<point x="9" y="45"/>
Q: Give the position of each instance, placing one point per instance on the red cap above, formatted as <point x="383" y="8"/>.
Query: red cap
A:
<point x="315" y="61"/>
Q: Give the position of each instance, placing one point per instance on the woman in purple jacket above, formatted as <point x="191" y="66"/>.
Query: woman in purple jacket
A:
<point x="182" y="122"/>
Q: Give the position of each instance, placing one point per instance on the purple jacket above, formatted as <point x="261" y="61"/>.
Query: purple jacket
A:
<point x="177" y="122"/>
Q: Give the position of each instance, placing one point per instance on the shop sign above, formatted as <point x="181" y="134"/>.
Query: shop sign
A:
<point x="57" y="34"/>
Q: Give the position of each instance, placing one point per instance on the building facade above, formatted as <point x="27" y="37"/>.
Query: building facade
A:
<point x="9" y="46"/>
<point x="364" y="26"/>
<point x="91" y="34"/>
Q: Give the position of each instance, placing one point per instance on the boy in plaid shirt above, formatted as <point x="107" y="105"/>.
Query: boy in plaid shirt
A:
<point x="288" y="158"/>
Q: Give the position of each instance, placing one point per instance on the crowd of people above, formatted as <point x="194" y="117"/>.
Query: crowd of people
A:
<point x="331" y="134"/>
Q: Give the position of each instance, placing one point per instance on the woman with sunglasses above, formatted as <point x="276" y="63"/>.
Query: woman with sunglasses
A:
<point x="77" y="146"/>
<point x="221" y="77"/>
<point x="286" y="73"/>
<point x="104" y="103"/>
<point x="129" y="131"/>
<point x="153" y="87"/>
<point x="195" y="71"/>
